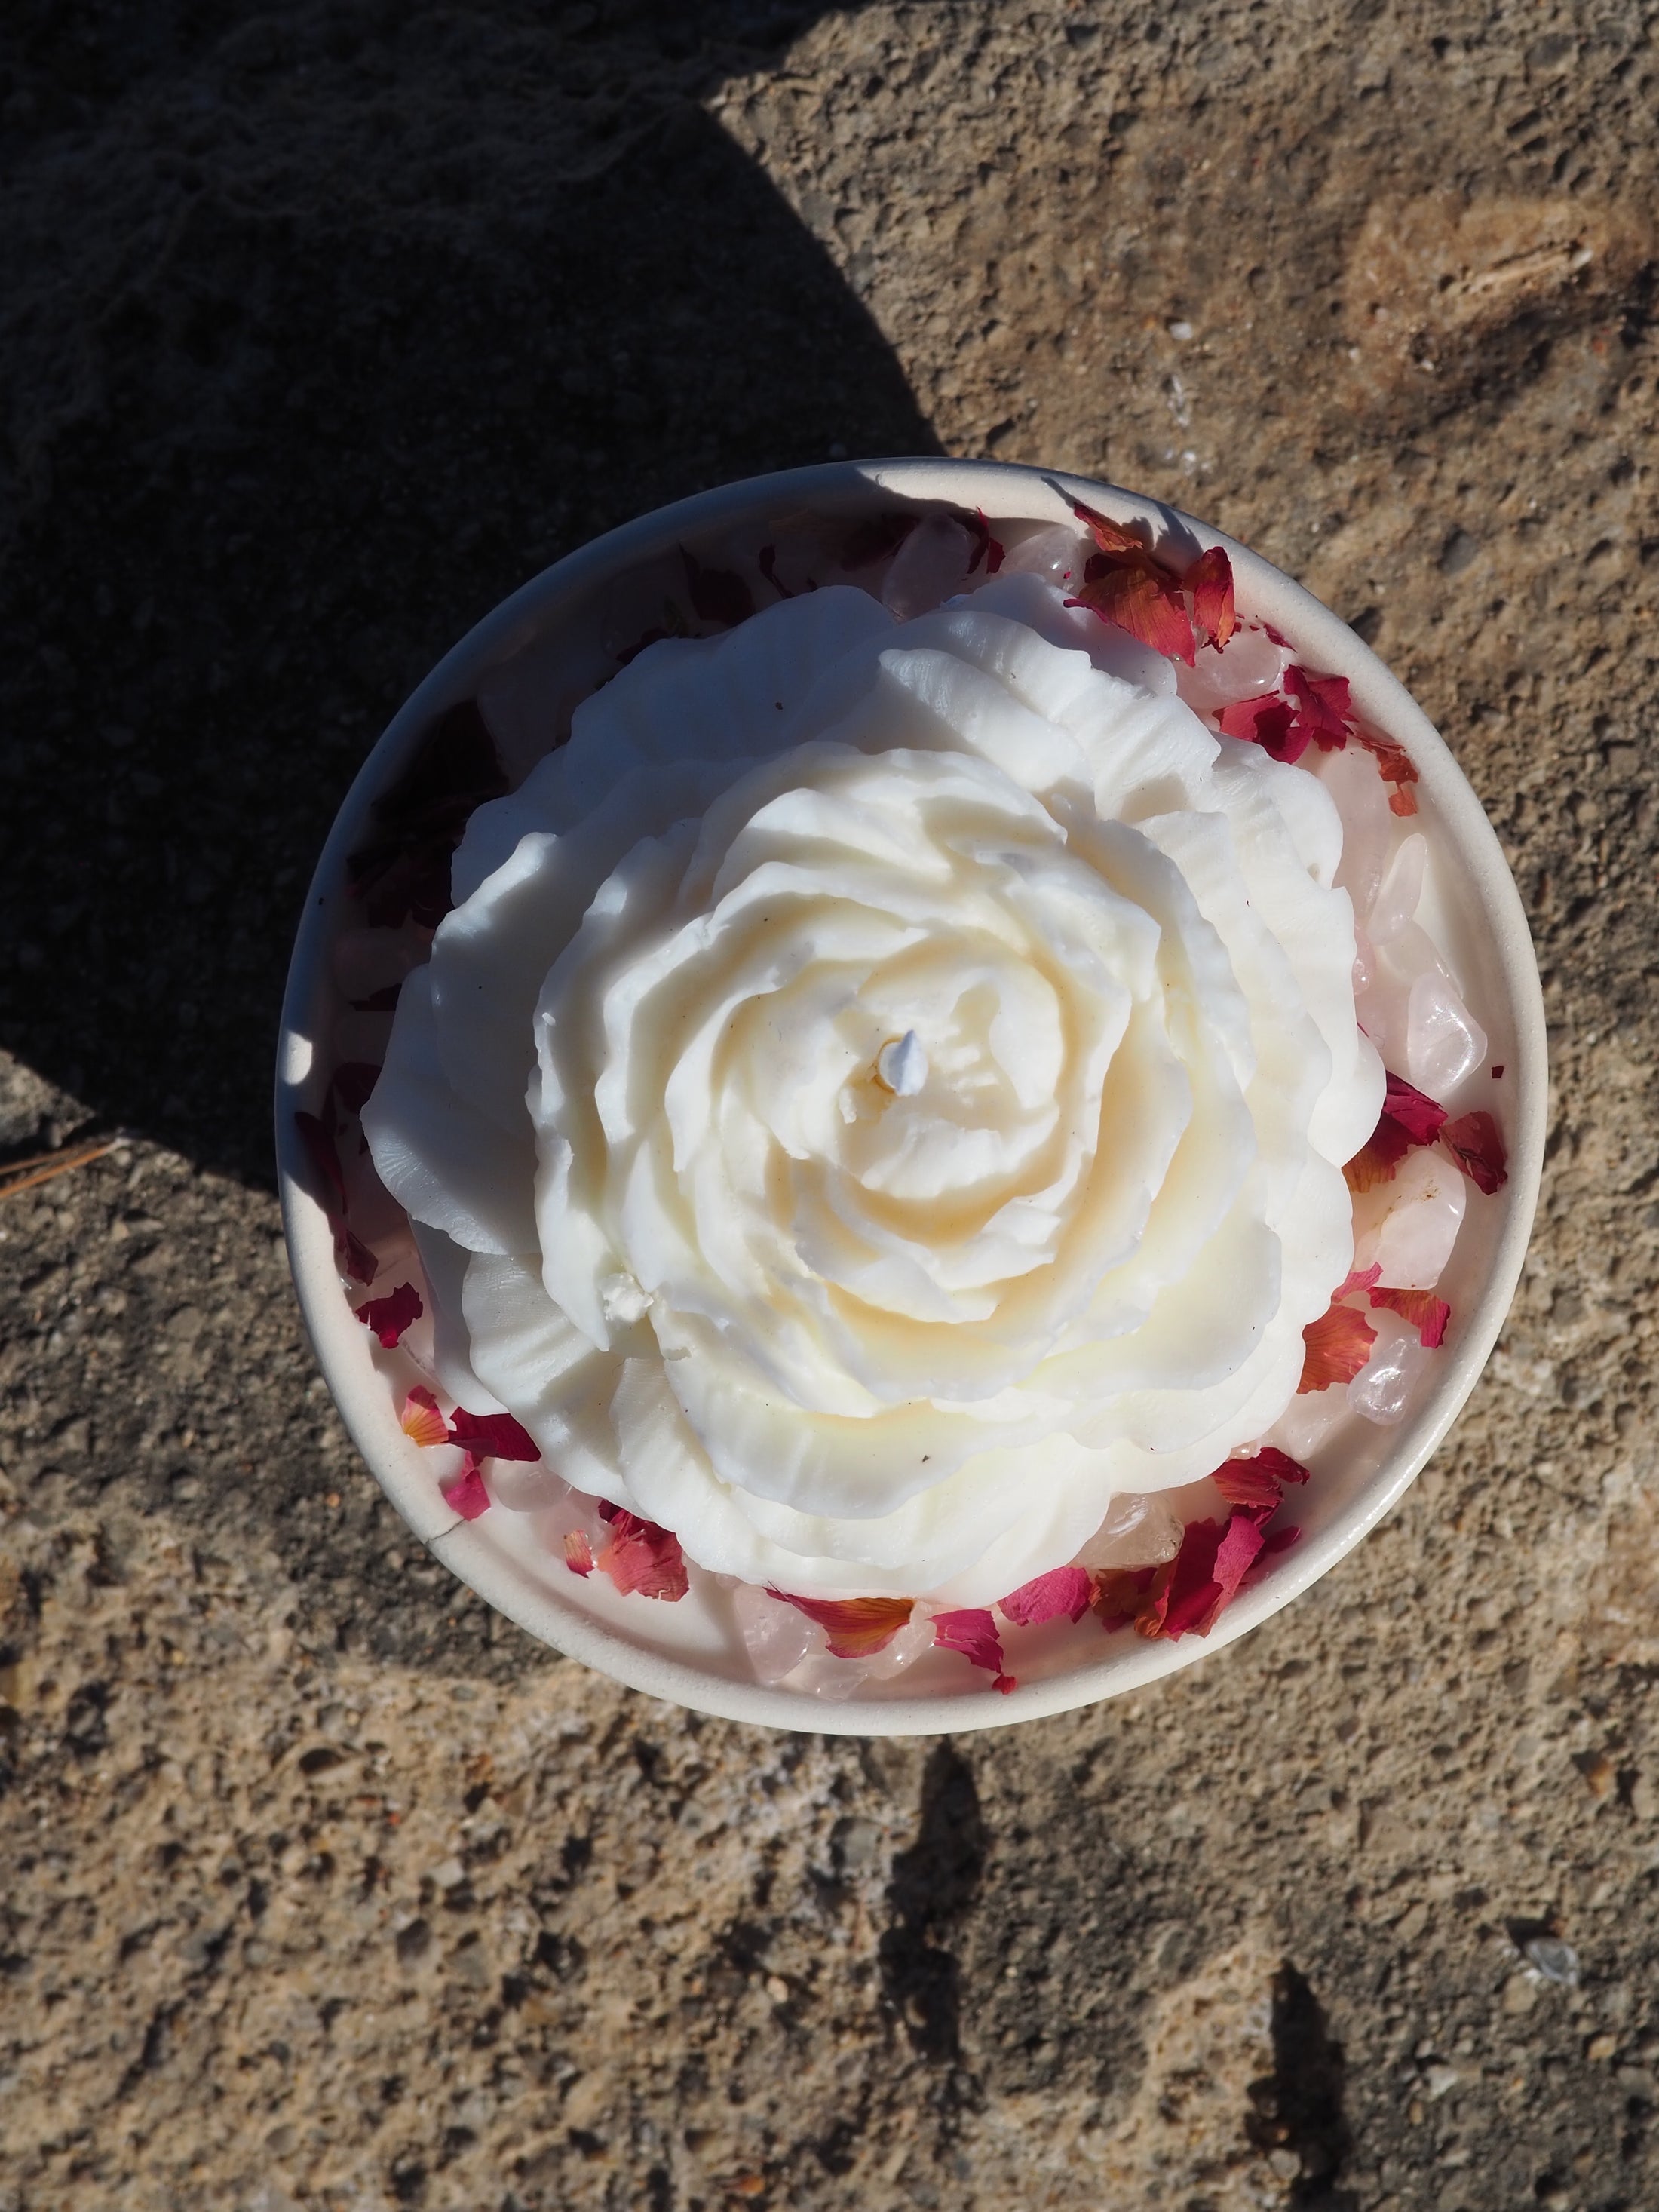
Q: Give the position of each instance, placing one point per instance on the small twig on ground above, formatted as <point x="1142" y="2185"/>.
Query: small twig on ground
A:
<point x="58" y="1163"/>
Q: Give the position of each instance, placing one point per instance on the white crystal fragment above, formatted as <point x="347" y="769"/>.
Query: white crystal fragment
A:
<point x="903" y="1065"/>
<point x="1408" y="1226"/>
<point x="1056" y="554"/>
<point x="1384" y="1384"/>
<point x="1444" y="1041"/>
<point x="776" y="1636"/>
<point x="907" y="1647"/>
<point x="1400" y="891"/>
<point x="1138" y="1532"/>
<point x="1307" y="1421"/>
<point x="928" y="568"/>
<point x="1368" y="828"/>
<point x="1248" y="665"/>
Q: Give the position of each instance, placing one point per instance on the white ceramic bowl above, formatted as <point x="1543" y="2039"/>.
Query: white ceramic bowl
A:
<point x="672" y="1650"/>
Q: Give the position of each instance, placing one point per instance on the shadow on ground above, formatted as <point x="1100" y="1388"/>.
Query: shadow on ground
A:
<point x="328" y="329"/>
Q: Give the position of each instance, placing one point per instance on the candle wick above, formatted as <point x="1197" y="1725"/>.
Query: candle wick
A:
<point x="901" y="1064"/>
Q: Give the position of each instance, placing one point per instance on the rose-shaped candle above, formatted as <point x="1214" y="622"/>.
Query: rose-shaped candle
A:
<point x="882" y="1092"/>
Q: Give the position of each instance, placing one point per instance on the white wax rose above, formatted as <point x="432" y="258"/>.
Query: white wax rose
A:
<point x="881" y="1093"/>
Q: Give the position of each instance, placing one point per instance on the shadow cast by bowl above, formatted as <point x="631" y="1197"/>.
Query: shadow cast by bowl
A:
<point x="422" y="314"/>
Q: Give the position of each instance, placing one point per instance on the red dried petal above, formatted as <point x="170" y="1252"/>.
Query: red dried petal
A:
<point x="1190" y="1587"/>
<point x="858" y="1626"/>
<point x="1209" y="580"/>
<point x="1278" y="1541"/>
<point x="351" y="1082"/>
<point x="421" y="1421"/>
<point x="1141" y="599"/>
<point x="642" y="1559"/>
<point x="972" y="1631"/>
<point x="492" y="1435"/>
<point x="1358" y="1279"/>
<point x="578" y="1551"/>
<point x="717" y="595"/>
<point x="1416" y="1112"/>
<point x="355" y="1259"/>
<point x="1395" y="766"/>
<point x="987" y="547"/>
<point x="1474" y="1143"/>
<point x="767" y="564"/>
<point x="1119" y="1593"/>
<point x="1322" y="704"/>
<point x="1270" y="722"/>
<point x="403" y="870"/>
<point x="466" y="1495"/>
<point x="378" y="1002"/>
<point x="1045" y="1597"/>
<point x="318" y="1142"/>
<point x="1379" y="1155"/>
<point x="1110" y="536"/>
<point x="391" y="1316"/>
<point x="1427" y="1313"/>
<point x="1258" y="1480"/>
<point x="1337" y="1346"/>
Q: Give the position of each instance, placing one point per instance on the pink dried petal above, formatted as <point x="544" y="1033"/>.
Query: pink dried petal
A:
<point x="1110" y="536"/>
<point x="578" y="1551"/>
<point x="1120" y="1592"/>
<point x="1143" y="600"/>
<point x="1322" y="704"/>
<point x="492" y="1435"/>
<point x="1358" y="1279"/>
<point x="1209" y="580"/>
<point x="1420" y="1117"/>
<point x="1379" y="1155"/>
<point x="972" y="1631"/>
<point x="987" y="547"/>
<point x="318" y="1141"/>
<point x="466" y="1494"/>
<point x="391" y="1316"/>
<point x="1427" y="1313"/>
<point x="1258" y="1479"/>
<point x="1278" y="1541"/>
<point x="1270" y="722"/>
<point x="641" y="1559"/>
<point x="859" y="1627"/>
<point x="717" y="595"/>
<point x="351" y="1082"/>
<point x="1474" y="1143"/>
<point x="421" y="1421"/>
<point x="1063" y="1589"/>
<point x="1337" y="1346"/>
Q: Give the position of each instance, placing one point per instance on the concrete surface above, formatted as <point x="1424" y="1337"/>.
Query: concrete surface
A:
<point x="324" y="322"/>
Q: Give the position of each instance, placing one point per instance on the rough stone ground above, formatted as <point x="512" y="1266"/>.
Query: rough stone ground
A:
<point x="324" y="322"/>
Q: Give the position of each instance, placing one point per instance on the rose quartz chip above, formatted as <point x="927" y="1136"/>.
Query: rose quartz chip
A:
<point x="1406" y="1227"/>
<point x="1056" y="554"/>
<point x="932" y="566"/>
<point x="1249" y="666"/>
<point x="1444" y="1041"/>
<point x="1400" y="891"/>
<point x="1382" y="1387"/>
<point x="776" y="1635"/>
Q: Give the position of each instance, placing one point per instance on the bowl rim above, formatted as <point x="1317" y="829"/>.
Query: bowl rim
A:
<point x="1002" y="491"/>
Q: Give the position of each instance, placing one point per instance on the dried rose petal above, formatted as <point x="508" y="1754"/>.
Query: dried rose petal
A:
<point x="1063" y="1589"/>
<point x="1119" y="1593"/>
<point x="859" y="1627"/>
<point x="1427" y="1313"/>
<point x="1416" y="1112"/>
<point x="1322" y="704"/>
<point x="1279" y="1539"/>
<point x="1258" y="1479"/>
<point x="717" y="595"/>
<point x="1141" y="599"/>
<point x="1358" y="1279"/>
<point x="320" y="1149"/>
<point x="641" y="1559"/>
<point x="986" y="547"/>
<point x="767" y="564"/>
<point x="1379" y="1155"/>
<point x="1474" y="1143"/>
<point x="403" y="870"/>
<point x="378" y="1002"/>
<point x="972" y="1631"/>
<point x="492" y="1435"/>
<point x="466" y="1495"/>
<point x="421" y="1421"/>
<point x="1110" y="536"/>
<point x="1209" y="580"/>
<point x="1395" y="766"/>
<point x="1337" y="1346"/>
<point x="351" y="1082"/>
<point x="578" y="1551"/>
<point x="391" y="1316"/>
<point x="1270" y="722"/>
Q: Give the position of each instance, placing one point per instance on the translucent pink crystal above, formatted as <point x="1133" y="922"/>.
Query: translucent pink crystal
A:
<point x="1400" y="891"/>
<point x="1248" y="665"/>
<point x="929" y="567"/>
<point x="1444" y="1041"/>
<point x="775" y="1636"/>
<point x="1138" y="1532"/>
<point x="1408" y="1225"/>
<point x="1057" y="555"/>
<point x="1383" y="1387"/>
